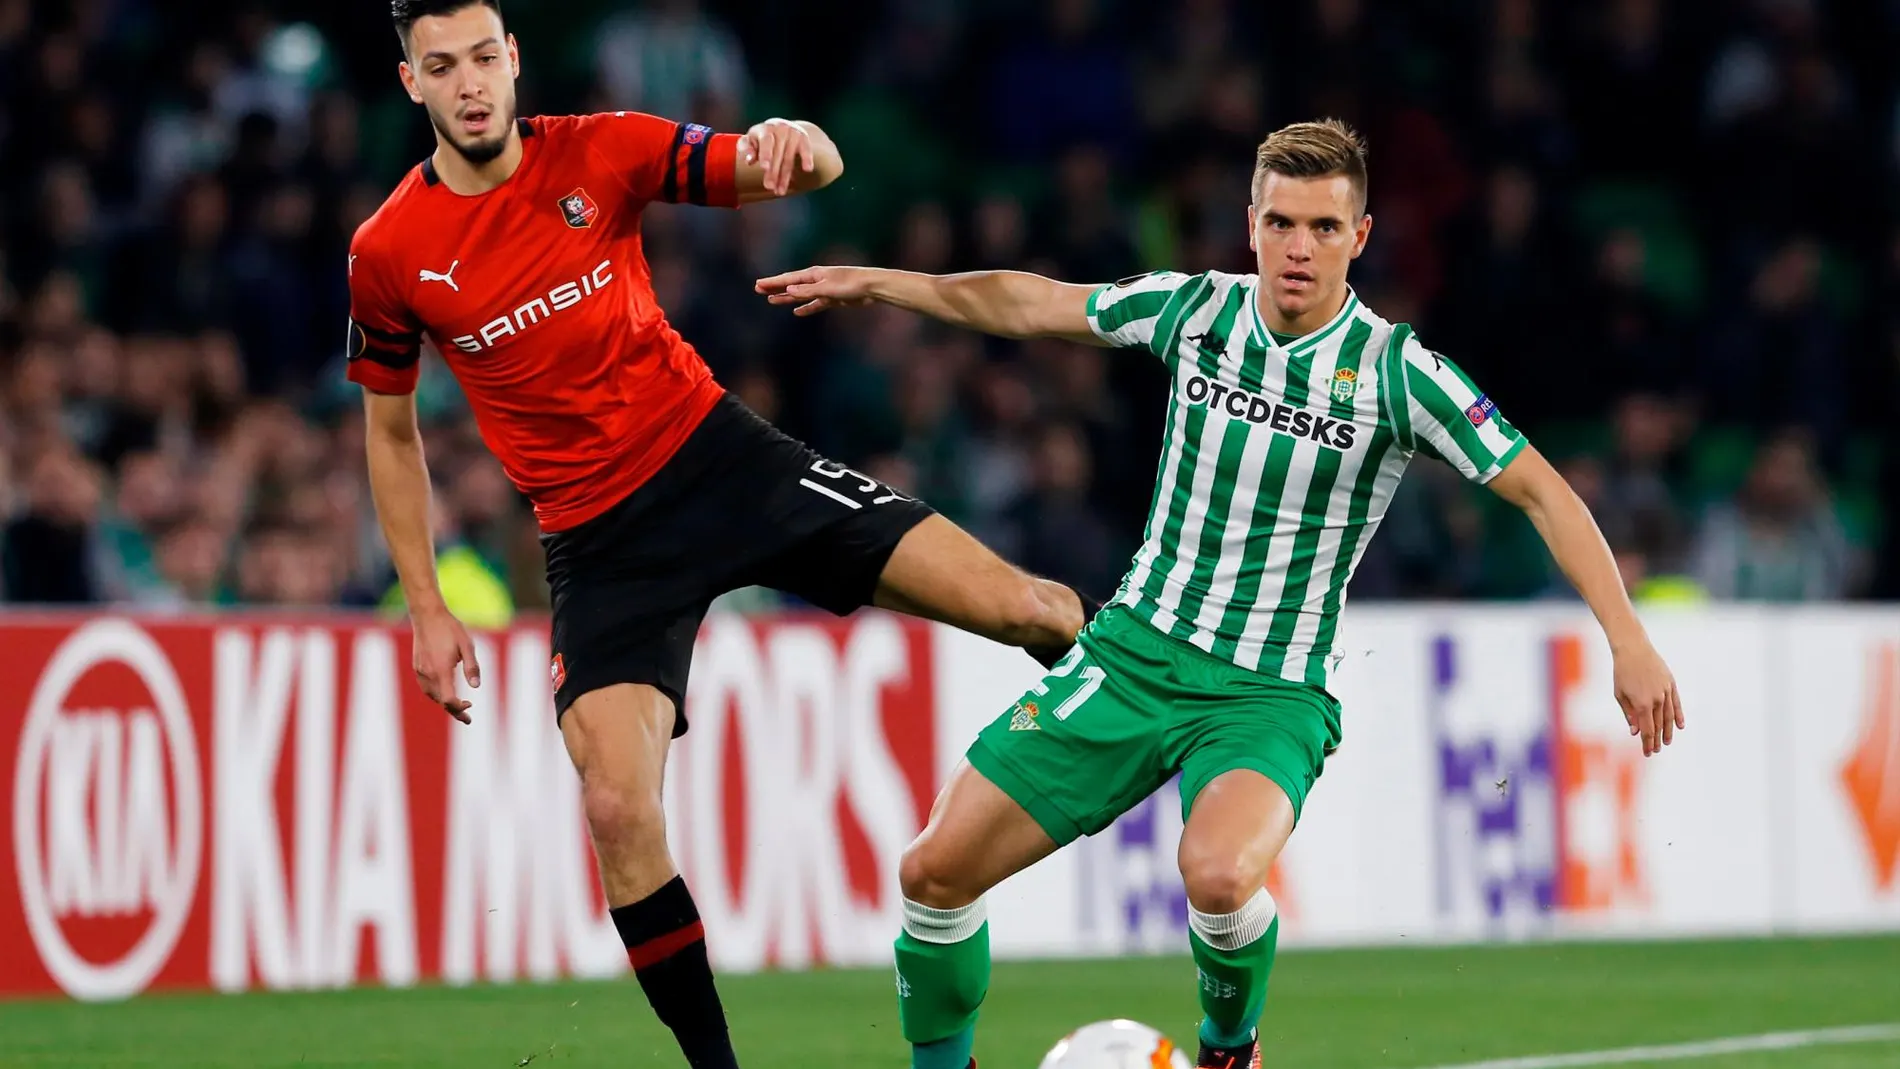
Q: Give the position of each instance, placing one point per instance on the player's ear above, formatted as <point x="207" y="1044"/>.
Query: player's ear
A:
<point x="1253" y="223"/>
<point x="514" y="57"/>
<point x="408" y="76"/>
<point x="1363" y="231"/>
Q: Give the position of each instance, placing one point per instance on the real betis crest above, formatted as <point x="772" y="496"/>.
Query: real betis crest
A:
<point x="1345" y="384"/>
<point x="1024" y="718"/>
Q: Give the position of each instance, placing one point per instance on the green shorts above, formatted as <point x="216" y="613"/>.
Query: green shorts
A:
<point x="1128" y="708"/>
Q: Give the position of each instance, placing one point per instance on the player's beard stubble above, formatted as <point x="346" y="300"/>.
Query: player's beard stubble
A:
<point x="482" y="149"/>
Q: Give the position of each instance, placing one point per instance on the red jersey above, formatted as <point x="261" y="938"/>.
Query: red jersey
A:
<point x="538" y="296"/>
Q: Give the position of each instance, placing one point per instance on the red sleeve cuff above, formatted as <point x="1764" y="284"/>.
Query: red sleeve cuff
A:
<point x="381" y="379"/>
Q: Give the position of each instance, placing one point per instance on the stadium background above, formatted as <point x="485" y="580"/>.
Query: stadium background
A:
<point x="1663" y="235"/>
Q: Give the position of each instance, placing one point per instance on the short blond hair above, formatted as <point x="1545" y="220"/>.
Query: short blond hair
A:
<point x="1313" y="150"/>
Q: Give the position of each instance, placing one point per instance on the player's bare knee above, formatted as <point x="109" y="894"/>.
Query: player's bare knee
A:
<point x="928" y="878"/>
<point x="1218" y="884"/>
<point x="623" y="818"/>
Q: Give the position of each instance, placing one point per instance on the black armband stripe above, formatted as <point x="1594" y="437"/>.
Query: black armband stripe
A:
<point x="696" y="167"/>
<point x="686" y="165"/>
<point x="670" y="185"/>
<point x="391" y="337"/>
<point x="399" y="352"/>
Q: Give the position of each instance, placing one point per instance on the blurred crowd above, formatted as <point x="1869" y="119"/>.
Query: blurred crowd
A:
<point x="1660" y="233"/>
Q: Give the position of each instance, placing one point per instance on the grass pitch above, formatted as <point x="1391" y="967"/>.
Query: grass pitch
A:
<point x="1392" y="1009"/>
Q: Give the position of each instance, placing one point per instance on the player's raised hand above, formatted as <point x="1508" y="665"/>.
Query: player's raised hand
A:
<point x="814" y="289"/>
<point x="441" y="643"/>
<point x="1647" y="692"/>
<point x="777" y="146"/>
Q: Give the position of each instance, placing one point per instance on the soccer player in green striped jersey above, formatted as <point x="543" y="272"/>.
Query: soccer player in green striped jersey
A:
<point x="1294" y="412"/>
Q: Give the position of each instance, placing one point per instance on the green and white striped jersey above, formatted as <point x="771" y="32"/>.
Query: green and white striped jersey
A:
<point x="1280" y="461"/>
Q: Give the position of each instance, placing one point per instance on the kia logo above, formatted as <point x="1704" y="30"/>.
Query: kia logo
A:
<point x="95" y="832"/>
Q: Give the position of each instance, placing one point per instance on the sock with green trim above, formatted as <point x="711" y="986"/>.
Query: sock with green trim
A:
<point x="1234" y="954"/>
<point x="943" y="972"/>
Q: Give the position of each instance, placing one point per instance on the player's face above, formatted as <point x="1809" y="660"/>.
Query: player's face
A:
<point x="461" y="69"/>
<point x="1305" y="232"/>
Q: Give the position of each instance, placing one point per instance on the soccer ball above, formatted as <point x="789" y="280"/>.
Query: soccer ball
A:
<point x="1117" y="1044"/>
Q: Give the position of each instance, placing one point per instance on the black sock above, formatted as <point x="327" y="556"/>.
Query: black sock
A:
<point x="667" y="947"/>
<point x="1047" y="656"/>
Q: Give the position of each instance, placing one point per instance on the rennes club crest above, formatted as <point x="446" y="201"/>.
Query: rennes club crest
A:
<point x="579" y="209"/>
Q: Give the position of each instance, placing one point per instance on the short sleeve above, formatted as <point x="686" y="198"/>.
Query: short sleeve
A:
<point x="385" y="340"/>
<point x="663" y="160"/>
<point x="1447" y="415"/>
<point x="1128" y="313"/>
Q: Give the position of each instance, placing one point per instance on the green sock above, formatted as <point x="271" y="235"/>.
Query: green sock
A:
<point x="943" y="972"/>
<point x="1234" y="954"/>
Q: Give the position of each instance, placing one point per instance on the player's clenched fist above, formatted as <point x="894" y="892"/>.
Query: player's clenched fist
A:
<point x="441" y="643"/>
<point x="1647" y="692"/>
<point x="814" y="289"/>
<point x="776" y="146"/>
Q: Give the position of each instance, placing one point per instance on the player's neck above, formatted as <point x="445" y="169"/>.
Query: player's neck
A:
<point x="1303" y="324"/>
<point x="471" y="179"/>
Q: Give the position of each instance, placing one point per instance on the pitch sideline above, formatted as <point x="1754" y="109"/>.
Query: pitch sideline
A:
<point x="1708" y="1048"/>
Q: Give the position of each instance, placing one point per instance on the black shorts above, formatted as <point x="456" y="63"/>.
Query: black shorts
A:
<point x="741" y="504"/>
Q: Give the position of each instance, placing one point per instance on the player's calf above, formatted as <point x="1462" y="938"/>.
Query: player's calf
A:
<point x="618" y="738"/>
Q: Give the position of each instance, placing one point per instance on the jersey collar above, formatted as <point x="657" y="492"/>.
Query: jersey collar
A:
<point x="1305" y="343"/>
<point x="428" y="162"/>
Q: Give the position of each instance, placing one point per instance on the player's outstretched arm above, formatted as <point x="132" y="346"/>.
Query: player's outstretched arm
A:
<point x="783" y="157"/>
<point x="1644" y="686"/>
<point x="1010" y="304"/>
<point x="399" y="486"/>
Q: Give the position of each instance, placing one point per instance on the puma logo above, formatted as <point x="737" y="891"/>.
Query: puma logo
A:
<point x="431" y="276"/>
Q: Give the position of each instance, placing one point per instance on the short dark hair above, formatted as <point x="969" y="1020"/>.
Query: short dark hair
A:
<point x="406" y="12"/>
<point x="1313" y="150"/>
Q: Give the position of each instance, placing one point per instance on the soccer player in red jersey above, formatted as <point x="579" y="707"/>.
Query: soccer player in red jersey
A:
<point x="514" y="248"/>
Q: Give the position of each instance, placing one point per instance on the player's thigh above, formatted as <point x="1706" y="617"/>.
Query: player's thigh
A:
<point x="842" y="540"/>
<point x="1084" y="744"/>
<point x="1280" y="732"/>
<point x="823" y="532"/>
<point x="977" y="837"/>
